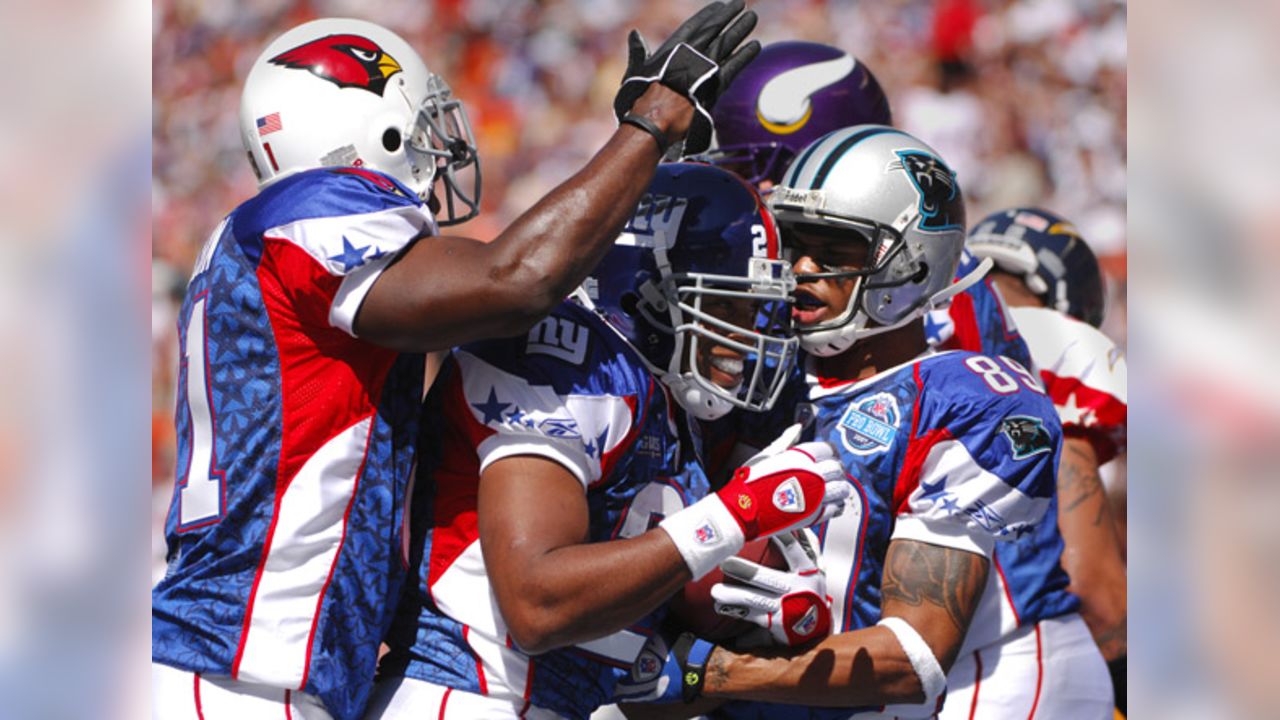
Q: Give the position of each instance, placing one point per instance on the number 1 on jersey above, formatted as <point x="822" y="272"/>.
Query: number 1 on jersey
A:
<point x="200" y="493"/>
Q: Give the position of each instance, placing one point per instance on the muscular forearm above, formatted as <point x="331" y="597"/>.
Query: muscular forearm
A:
<point x="552" y="247"/>
<point x="934" y="589"/>
<point x="863" y="667"/>
<point x="1091" y="548"/>
<point x="582" y="592"/>
<point x="446" y="291"/>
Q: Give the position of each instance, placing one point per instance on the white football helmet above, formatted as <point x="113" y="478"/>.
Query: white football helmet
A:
<point x="888" y="189"/>
<point x="341" y="92"/>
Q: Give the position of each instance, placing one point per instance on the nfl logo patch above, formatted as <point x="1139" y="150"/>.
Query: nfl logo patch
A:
<point x="788" y="497"/>
<point x="807" y="623"/>
<point x="649" y="665"/>
<point x="706" y="534"/>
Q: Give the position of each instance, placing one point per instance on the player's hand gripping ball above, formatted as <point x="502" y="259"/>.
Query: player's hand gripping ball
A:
<point x="694" y="610"/>
<point x="791" y="602"/>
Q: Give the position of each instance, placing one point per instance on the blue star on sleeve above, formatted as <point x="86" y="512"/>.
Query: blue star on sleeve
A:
<point x="351" y="256"/>
<point x="491" y="408"/>
<point x="935" y="490"/>
<point x="596" y="449"/>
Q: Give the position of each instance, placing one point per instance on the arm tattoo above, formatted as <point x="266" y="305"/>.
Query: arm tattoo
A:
<point x="916" y="572"/>
<point x="716" y="672"/>
<point x="1078" y="482"/>
<point x="1114" y="641"/>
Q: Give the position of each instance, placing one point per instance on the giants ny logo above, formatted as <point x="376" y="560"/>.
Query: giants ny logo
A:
<point x="655" y="224"/>
<point x="560" y="338"/>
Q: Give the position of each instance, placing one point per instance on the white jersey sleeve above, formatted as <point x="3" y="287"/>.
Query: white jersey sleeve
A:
<point x="513" y="415"/>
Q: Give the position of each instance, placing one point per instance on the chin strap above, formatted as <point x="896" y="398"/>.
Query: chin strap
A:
<point x="944" y="296"/>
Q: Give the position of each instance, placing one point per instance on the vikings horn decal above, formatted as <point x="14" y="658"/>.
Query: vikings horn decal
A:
<point x="344" y="60"/>
<point x="784" y="106"/>
<point x="936" y="184"/>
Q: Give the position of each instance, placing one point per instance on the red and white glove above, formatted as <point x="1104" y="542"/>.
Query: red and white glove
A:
<point x="793" y="605"/>
<point x="780" y="489"/>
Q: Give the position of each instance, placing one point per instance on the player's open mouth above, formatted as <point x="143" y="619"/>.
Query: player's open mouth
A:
<point x="808" y="308"/>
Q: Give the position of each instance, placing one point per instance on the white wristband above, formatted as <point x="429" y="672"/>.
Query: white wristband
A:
<point x="932" y="679"/>
<point x="705" y="533"/>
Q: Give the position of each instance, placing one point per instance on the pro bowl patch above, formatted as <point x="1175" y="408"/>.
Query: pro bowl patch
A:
<point x="870" y="424"/>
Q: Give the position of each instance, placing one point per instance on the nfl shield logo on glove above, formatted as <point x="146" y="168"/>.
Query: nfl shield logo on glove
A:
<point x="788" y="497"/>
<point x="807" y="623"/>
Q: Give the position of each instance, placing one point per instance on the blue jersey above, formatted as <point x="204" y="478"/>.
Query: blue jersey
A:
<point x="980" y="321"/>
<point x="295" y="443"/>
<point x="977" y="320"/>
<point x="953" y="449"/>
<point x="574" y="392"/>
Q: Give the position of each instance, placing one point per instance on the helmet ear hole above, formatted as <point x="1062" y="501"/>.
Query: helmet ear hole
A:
<point x="629" y="304"/>
<point x="391" y="140"/>
<point x="922" y="274"/>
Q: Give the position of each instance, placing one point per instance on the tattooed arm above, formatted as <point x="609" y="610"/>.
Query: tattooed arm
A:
<point x="934" y="588"/>
<point x="1091" y="553"/>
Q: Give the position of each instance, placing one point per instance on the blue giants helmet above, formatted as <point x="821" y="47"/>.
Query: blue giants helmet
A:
<point x="696" y="284"/>
<point x="792" y="94"/>
<point x="1048" y="253"/>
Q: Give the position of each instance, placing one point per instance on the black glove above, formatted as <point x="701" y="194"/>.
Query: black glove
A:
<point x="697" y="61"/>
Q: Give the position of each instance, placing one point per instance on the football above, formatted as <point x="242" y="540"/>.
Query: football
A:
<point x="693" y="609"/>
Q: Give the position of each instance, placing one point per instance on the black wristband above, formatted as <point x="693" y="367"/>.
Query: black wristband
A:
<point x="648" y="126"/>
<point x="693" y="671"/>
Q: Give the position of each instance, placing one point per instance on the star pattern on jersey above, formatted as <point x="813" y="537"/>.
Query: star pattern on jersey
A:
<point x="515" y="417"/>
<point x="595" y="448"/>
<point x="351" y="256"/>
<point x="935" y="491"/>
<point x="949" y="503"/>
<point x="935" y="330"/>
<point x="1072" y="414"/>
<point x="491" y="408"/>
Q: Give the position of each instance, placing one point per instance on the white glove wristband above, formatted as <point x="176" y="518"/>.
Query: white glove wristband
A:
<point x="932" y="679"/>
<point x="705" y="533"/>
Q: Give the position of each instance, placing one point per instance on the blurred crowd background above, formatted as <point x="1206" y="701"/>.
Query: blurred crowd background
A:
<point x="1025" y="98"/>
<point x="102" y="85"/>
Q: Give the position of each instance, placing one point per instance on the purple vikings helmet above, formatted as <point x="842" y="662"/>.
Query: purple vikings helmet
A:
<point x="700" y="241"/>
<point x="792" y="94"/>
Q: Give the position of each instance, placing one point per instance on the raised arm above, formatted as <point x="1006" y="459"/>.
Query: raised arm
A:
<point x="446" y="291"/>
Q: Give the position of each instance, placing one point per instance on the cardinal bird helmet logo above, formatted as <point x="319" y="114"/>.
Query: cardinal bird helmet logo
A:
<point x="344" y="60"/>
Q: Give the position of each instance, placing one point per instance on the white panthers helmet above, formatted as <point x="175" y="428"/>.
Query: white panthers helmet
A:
<point x="888" y="189"/>
<point x="341" y="92"/>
